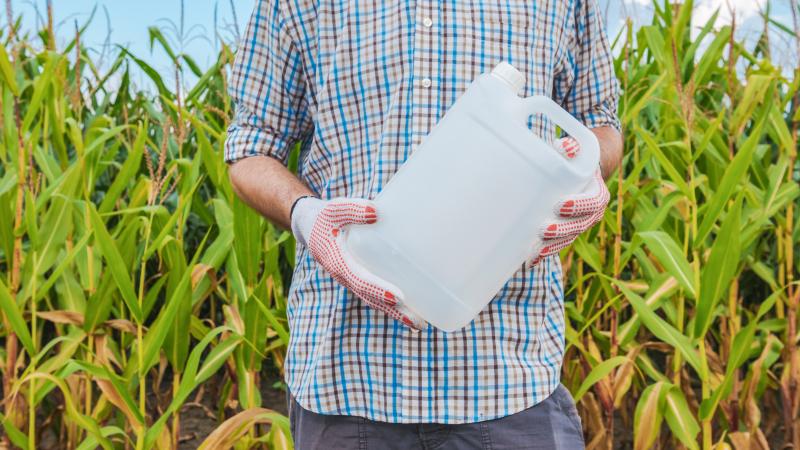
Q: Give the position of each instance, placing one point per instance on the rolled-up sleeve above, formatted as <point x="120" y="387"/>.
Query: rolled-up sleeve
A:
<point x="268" y="87"/>
<point x="586" y="84"/>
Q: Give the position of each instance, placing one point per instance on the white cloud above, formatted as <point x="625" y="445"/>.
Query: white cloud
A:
<point x="748" y="23"/>
<point x="704" y="9"/>
<point x="743" y="10"/>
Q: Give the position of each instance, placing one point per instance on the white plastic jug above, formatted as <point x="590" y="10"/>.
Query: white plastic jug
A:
<point x="460" y="217"/>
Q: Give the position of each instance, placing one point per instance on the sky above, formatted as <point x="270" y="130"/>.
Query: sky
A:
<point x="125" y="22"/>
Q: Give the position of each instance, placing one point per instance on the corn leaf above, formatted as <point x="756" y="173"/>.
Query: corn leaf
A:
<point x="659" y="327"/>
<point x="14" y="317"/>
<point x="597" y="373"/>
<point x="115" y="263"/>
<point x="649" y="415"/>
<point x="671" y="257"/>
<point x="719" y="269"/>
<point x="680" y="418"/>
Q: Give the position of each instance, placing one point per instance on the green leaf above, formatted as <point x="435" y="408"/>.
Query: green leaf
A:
<point x="176" y="345"/>
<point x="15" y="319"/>
<point x="248" y="227"/>
<point x="598" y="373"/>
<point x="16" y="436"/>
<point x="755" y="93"/>
<point x="7" y="72"/>
<point x="151" y="73"/>
<point x="719" y="269"/>
<point x="98" y="306"/>
<point x="680" y="418"/>
<point x="659" y="327"/>
<point x="188" y="383"/>
<point x="96" y="144"/>
<point x="154" y="340"/>
<point x="712" y="54"/>
<point x="671" y="257"/>
<point x="41" y="87"/>
<point x="216" y="358"/>
<point x="91" y="443"/>
<point x="156" y="35"/>
<point x="115" y="263"/>
<point x="674" y="175"/>
<point x="55" y="226"/>
<point x="126" y="173"/>
<point x="734" y="175"/>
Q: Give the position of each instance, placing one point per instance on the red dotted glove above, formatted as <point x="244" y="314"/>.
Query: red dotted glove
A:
<point x="576" y="214"/>
<point x="318" y="224"/>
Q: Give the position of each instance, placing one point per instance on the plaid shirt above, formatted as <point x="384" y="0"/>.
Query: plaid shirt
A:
<point x="359" y="84"/>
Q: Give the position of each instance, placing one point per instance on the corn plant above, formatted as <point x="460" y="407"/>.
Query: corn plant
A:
<point x="133" y="281"/>
<point x="683" y="325"/>
<point x="123" y="289"/>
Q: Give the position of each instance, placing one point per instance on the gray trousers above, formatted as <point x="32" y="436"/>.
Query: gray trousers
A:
<point x="553" y="424"/>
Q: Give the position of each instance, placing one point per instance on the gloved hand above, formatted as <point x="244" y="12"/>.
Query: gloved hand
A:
<point x="317" y="224"/>
<point x="576" y="214"/>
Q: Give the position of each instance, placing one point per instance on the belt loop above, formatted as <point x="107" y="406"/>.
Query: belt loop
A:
<point x="485" y="437"/>
<point x="362" y="433"/>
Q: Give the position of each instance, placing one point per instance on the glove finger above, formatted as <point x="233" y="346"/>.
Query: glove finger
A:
<point x="588" y="202"/>
<point x="377" y="292"/>
<point x="368" y="286"/>
<point x="568" y="147"/>
<point x="341" y="212"/>
<point x="549" y="247"/>
<point x="572" y="227"/>
<point x="411" y="320"/>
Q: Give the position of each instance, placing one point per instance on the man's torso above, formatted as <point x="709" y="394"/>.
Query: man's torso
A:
<point x="379" y="75"/>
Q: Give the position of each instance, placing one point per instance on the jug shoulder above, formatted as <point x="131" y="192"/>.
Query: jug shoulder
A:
<point x="488" y="96"/>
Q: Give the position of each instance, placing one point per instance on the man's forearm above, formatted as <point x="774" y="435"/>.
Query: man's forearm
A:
<point x="610" y="149"/>
<point x="268" y="187"/>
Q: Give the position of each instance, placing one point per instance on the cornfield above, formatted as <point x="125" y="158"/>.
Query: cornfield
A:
<point x="127" y="302"/>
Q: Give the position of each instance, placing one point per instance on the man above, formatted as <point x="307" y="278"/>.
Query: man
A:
<point x="359" y="84"/>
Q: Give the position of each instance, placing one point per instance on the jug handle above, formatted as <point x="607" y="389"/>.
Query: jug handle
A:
<point x="588" y="158"/>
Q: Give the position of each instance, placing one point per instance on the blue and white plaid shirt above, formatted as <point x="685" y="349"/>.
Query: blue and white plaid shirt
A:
<point x="359" y="84"/>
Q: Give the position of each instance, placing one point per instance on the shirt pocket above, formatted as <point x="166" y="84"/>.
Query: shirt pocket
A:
<point x="517" y="13"/>
<point x="522" y="33"/>
<point x="519" y="23"/>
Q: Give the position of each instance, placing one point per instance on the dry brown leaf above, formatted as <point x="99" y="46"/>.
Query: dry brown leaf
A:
<point x="740" y="440"/>
<point x="637" y="286"/>
<point x="201" y="270"/>
<point x="115" y="398"/>
<point x="645" y="435"/>
<point x="746" y="440"/>
<point x="234" y="318"/>
<point x="759" y="440"/>
<point x="103" y="353"/>
<point x="67" y="317"/>
<point x="624" y="376"/>
<point x="225" y="435"/>
<point x="123" y="325"/>
<point x="593" y="424"/>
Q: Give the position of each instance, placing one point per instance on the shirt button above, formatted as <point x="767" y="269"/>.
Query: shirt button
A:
<point x="426" y="82"/>
<point x="427" y="22"/>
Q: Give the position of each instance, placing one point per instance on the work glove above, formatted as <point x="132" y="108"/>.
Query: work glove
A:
<point x="318" y="225"/>
<point x="575" y="214"/>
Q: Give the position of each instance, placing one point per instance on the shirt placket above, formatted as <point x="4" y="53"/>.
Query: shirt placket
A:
<point x="426" y="82"/>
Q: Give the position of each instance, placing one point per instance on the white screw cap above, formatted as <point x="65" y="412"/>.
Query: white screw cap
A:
<point x="513" y="77"/>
